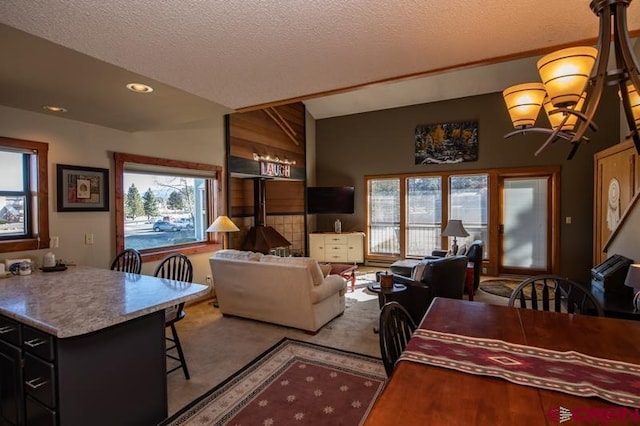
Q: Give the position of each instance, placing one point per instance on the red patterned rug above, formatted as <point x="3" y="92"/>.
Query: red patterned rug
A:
<point x="291" y="383"/>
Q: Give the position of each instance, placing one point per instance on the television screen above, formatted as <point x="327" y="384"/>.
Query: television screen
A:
<point x="330" y="199"/>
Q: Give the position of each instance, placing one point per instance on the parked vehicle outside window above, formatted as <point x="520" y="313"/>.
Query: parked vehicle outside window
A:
<point x="162" y="225"/>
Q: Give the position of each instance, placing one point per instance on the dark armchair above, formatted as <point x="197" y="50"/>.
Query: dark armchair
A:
<point x="475" y="254"/>
<point x="441" y="277"/>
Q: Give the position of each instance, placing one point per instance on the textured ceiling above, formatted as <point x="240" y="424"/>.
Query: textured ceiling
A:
<point x="242" y="53"/>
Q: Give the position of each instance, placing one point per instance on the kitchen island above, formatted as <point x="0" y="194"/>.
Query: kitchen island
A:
<point x="85" y="346"/>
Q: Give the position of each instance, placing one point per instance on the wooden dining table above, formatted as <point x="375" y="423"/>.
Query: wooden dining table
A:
<point x="421" y="394"/>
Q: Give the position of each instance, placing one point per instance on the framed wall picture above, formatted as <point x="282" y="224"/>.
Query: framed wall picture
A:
<point x="82" y="189"/>
<point x="446" y="143"/>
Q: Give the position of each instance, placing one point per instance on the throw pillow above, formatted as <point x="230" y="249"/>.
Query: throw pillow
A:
<point x="462" y="250"/>
<point x="418" y="271"/>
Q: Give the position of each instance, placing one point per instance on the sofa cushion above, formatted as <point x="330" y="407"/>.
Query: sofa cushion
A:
<point x="237" y="254"/>
<point x="311" y="265"/>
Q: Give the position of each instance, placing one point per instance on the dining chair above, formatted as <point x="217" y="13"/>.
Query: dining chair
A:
<point x="395" y="328"/>
<point x="175" y="267"/>
<point x="557" y="294"/>
<point x="128" y="260"/>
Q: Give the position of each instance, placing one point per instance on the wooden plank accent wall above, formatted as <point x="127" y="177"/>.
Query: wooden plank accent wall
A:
<point x="256" y="132"/>
<point x="285" y="197"/>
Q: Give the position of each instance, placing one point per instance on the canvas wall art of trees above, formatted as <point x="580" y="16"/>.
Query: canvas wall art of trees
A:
<point x="446" y="143"/>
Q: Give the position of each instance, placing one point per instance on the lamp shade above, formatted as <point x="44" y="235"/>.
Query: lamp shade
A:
<point x="556" y="118"/>
<point x="565" y="74"/>
<point x="454" y="228"/>
<point x="523" y="103"/>
<point x="634" y="101"/>
<point x="633" y="276"/>
<point x="222" y="224"/>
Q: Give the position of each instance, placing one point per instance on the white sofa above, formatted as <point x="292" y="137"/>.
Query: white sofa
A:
<point x="290" y="291"/>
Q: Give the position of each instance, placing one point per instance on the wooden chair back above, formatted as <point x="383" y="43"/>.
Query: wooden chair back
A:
<point x="396" y="328"/>
<point x="555" y="294"/>
<point x="128" y="260"/>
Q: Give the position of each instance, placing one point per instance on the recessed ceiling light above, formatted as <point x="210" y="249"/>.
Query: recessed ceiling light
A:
<point x="53" y="108"/>
<point x="139" y="88"/>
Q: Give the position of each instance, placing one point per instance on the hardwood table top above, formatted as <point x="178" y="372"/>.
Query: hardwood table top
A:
<point x="420" y="394"/>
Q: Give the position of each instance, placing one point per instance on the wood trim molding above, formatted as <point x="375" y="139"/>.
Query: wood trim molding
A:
<point x="426" y="73"/>
<point x="281" y="122"/>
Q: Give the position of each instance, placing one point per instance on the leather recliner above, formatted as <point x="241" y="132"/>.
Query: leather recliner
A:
<point x="475" y="253"/>
<point x="439" y="277"/>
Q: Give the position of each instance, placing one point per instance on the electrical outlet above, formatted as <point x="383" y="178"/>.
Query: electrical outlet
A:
<point x="55" y="242"/>
<point x="88" y="238"/>
<point x="484" y="270"/>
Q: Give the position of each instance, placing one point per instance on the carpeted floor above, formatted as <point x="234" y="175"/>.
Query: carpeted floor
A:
<point x="216" y="347"/>
<point x="293" y="382"/>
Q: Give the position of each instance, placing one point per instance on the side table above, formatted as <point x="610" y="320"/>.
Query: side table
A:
<point x="385" y="293"/>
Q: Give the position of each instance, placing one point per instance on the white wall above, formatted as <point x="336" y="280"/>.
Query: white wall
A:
<point x="75" y="143"/>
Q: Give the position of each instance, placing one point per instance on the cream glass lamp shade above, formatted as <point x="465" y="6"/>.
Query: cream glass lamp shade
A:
<point x="634" y="101"/>
<point x="222" y="224"/>
<point x="565" y="73"/>
<point x="523" y="103"/>
<point x="556" y="118"/>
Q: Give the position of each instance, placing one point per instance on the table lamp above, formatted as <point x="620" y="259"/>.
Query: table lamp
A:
<point x="225" y="225"/>
<point x="455" y="229"/>
<point x="633" y="280"/>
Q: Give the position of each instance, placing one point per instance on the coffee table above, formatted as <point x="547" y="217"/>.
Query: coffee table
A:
<point x="346" y="271"/>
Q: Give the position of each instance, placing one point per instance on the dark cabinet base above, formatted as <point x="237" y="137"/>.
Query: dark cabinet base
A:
<point x="113" y="376"/>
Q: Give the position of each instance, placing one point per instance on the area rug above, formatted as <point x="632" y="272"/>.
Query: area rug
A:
<point x="505" y="286"/>
<point x="293" y="382"/>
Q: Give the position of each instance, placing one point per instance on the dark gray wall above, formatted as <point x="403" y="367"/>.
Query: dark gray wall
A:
<point x="381" y="142"/>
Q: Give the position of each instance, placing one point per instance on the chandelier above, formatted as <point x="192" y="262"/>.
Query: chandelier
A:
<point x="568" y="91"/>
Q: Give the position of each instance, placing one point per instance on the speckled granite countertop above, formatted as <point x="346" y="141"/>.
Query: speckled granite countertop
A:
<point x="85" y="299"/>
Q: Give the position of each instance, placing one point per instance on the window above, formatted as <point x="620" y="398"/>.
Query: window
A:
<point x="164" y="205"/>
<point x="468" y="202"/>
<point x="425" y="202"/>
<point x="424" y="214"/>
<point x="383" y="216"/>
<point x="24" y="200"/>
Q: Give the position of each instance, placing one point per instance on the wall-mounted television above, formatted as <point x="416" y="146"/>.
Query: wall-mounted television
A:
<point x="330" y="199"/>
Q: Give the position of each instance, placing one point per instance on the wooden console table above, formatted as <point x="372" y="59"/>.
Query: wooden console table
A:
<point x="345" y="247"/>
